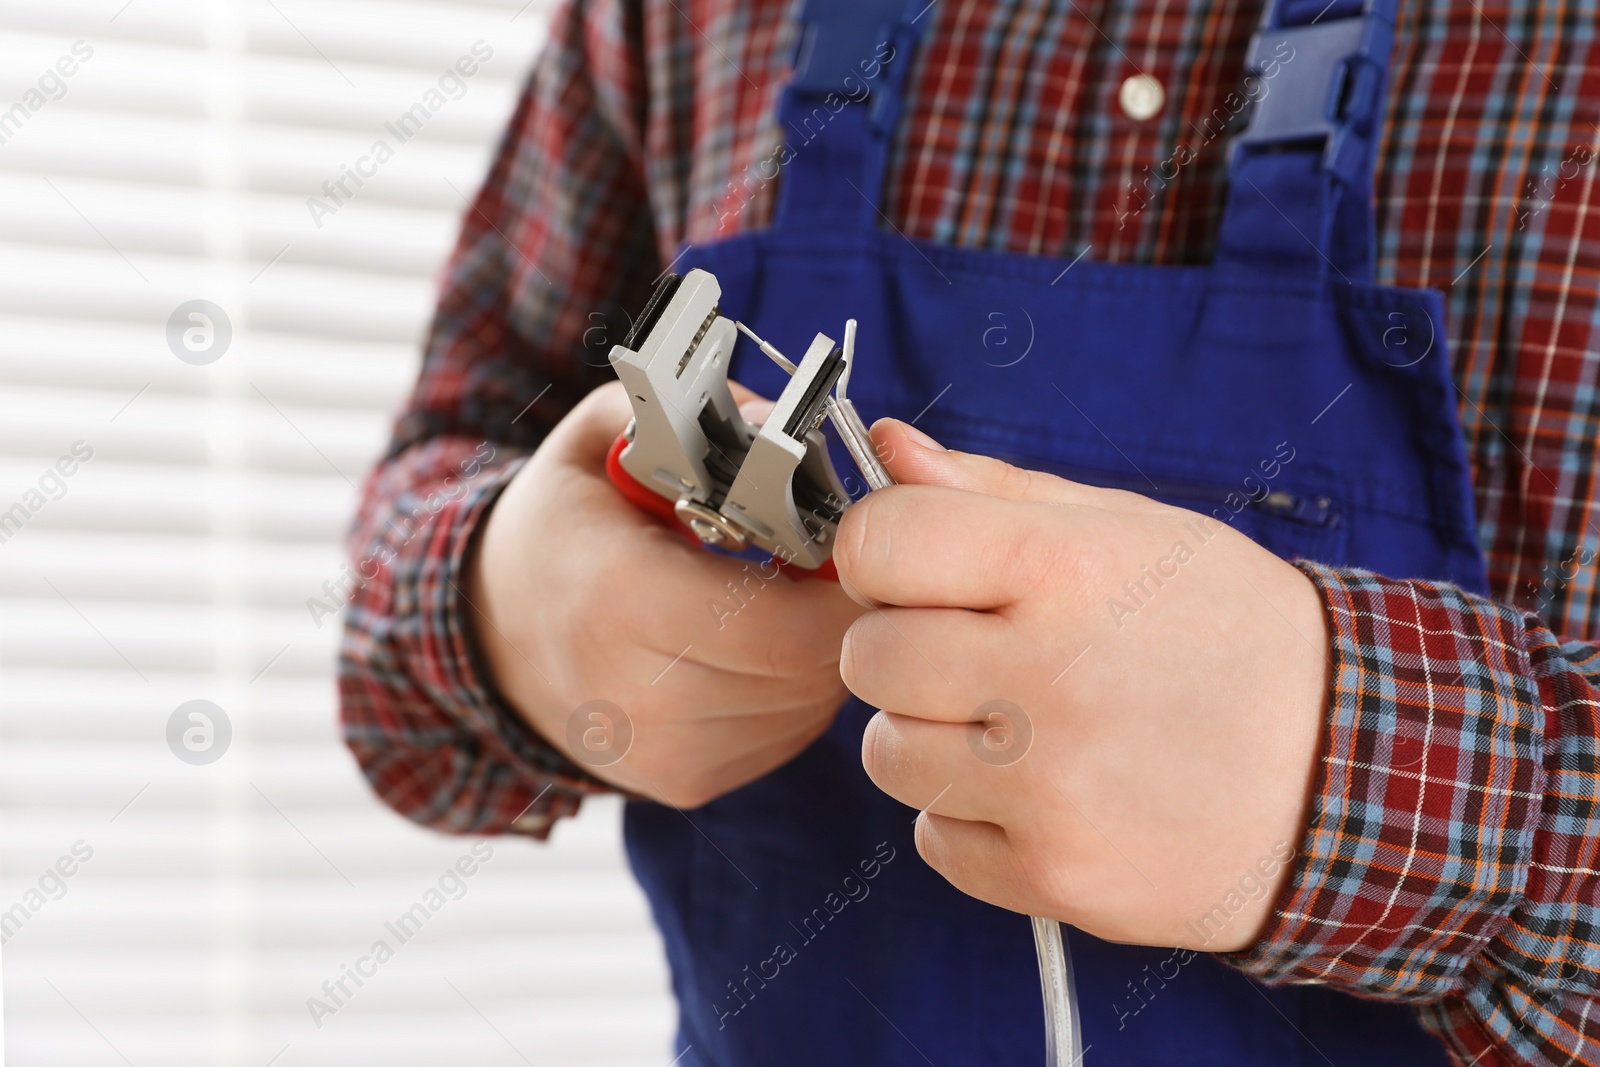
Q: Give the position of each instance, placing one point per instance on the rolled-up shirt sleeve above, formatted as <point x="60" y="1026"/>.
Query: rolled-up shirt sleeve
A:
<point x="555" y="245"/>
<point x="1453" y="852"/>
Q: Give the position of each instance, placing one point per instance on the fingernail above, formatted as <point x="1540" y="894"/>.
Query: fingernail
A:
<point x="919" y="438"/>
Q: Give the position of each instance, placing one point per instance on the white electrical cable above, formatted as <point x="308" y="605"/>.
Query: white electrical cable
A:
<point x="1063" y="1039"/>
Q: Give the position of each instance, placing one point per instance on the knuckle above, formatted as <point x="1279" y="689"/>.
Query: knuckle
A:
<point x="1027" y="557"/>
<point x="1129" y="500"/>
<point x="1016" y="482"/>
<point x="883" y="751"/>
<point x="862" y="544"/>
<point x="849" y="657"/>
<point x="1054" y="886"/>
<point x="933" y="846"/>
<point x="1042" y="869"/>
<point x="852" y="536"/>
<point x="859" y="654"/>
<point x="1043" y="553"/>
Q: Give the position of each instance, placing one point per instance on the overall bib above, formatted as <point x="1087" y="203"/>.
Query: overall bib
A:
<point x="1276" y="389"/>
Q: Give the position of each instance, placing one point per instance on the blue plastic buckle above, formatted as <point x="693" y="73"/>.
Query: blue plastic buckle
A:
<point x="841" y="45"/>
<point x="1332" y="78"/>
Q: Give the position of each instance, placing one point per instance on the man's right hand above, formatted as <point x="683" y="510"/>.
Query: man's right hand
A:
<point x="723" y="669"/>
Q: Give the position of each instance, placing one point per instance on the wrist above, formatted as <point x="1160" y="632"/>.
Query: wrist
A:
<point x="1306" y="677"/>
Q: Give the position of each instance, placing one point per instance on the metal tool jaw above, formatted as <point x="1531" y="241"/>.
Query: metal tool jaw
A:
<point x="732" y="484"/>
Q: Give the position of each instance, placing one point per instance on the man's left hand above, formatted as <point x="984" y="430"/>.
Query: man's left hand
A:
<point x="1125" y="769"/>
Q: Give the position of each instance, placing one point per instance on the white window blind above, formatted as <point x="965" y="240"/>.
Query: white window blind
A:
<point x="161" y="910"/>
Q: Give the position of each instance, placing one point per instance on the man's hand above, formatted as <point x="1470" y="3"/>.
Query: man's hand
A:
<point x="1173" y="741"/>
<point x="722" y="669"/>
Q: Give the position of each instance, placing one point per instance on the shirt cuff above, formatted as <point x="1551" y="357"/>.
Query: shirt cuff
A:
<point x="1427" y="797"/>
<point x="489" y="771"/>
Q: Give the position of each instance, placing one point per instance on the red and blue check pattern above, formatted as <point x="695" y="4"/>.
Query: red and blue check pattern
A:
<point x="1455" y="843"/>
<point x="1426" y="871"/>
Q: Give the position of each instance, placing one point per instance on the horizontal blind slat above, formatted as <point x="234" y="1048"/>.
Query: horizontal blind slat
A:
<point x="177" y="164"/>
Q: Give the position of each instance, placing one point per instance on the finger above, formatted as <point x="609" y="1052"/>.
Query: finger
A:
<point x="583" y="438"/>
<point x="914" y="458"/>
<point x="705" y="694"/>
<point x="767" y="721"/>
<point x="933" y="663"/>
<point x="975" y="857"/>
<point x="742" y="392"/>
<point x="929" y="546"/>
<point x="727" y="751"/>
<point x="753" y="407"/>
<point x="751" y="762"/>
<point x="676" y="597"/>
<point x="935" y="766"/>
<point x="732" y="614"/>
<point x="755" y="412"/>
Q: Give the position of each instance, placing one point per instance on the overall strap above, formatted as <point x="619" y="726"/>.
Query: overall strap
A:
<point x="838" y="113"/>
<point x="1301" y="173"/>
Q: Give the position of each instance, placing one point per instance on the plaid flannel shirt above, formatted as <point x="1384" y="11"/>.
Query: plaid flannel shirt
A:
<point x="1451" y="859"/>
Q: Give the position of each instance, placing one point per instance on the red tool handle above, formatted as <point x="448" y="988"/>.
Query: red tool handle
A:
<point x="655" y="504"/>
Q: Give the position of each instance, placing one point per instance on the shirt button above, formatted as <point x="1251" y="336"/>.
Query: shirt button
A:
<point x="1141" y="97"/>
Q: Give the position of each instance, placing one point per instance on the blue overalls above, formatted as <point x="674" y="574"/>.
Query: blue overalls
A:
<point x="1277" y="389"/>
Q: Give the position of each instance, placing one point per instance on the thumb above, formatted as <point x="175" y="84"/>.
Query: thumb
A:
<point x="914" y="458"/>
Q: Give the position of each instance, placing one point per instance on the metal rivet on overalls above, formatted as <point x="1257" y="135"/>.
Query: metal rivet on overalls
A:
<point x="1141" y="97"/>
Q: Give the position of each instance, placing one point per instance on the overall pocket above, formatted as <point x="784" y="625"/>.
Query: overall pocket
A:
<point x="1284" y="514"/>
